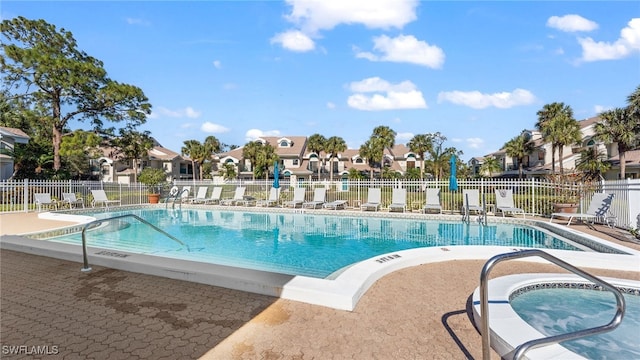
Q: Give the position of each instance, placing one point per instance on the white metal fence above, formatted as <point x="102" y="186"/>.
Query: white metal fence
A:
<point x="535" y="196"/>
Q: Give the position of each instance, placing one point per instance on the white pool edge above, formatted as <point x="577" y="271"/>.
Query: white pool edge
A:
<point x="509" y="330"/>
<point x="342" y="293"/>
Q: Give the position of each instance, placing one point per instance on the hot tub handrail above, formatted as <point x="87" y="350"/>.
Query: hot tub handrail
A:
<point x="521" y="349"/>
<point x="85" y="259"/>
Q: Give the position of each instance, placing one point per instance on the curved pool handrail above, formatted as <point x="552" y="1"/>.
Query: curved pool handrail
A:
<point x="85" y="259"/>
<point x="532" y="344"/>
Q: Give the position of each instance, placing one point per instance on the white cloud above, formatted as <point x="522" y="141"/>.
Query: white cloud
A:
<point x="312" y="16"/>
<point x="253" y="134"/>
<point x="474" y="143"/>
<point x="294" y="40"/>
<point x="404" y="136"/>
<point x="387" y="96"/>
<point x="628" y="43"/>
<point x="571" y="23"/>
<point x="136" y="21"/>
<point x="210" y="127"/>
<point x="599" y="108"/>
<point x="180" y="113"/>
<point x="217" y="64"/>
<point x="405" y="49"/>
<point x="331" y="105"/>
<point x="478" y="100"/>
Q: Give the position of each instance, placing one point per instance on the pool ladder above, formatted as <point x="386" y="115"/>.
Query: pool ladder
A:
<point x="466" y="216"/>
<point x="85" y="259"/>
<point x="175" y="197"/>
<point x="519" y="351"/>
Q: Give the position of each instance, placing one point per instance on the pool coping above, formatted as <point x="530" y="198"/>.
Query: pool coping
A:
<point x="509" y="330"/>
<point x="342" y="292"/>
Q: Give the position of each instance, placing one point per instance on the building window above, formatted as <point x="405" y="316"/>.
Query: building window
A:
<point x="359" y="161"/>
<point x="284" y="143"/>
<point x="540" y="155"/>
<point x="295" y="162"/>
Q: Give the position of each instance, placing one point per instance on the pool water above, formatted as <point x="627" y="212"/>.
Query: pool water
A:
<point x="561" y="310"/>
<point x="294" y="243"/>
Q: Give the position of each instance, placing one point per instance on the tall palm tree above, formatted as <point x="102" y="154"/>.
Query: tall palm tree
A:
<point x="618" y="127"/>
<point x="194" y="150"/>
<point x="381" y="138"/>
<point x="593" y="163"/>
<point x="266" y="156"/>
<point x="133" y="145"/>
<point x="633" y="101"/>
<point x="548" y="127"/>
<point x="333" y="147"/>
<point x="369" y="150"/>
<point x="490" y="165"/>
<point x="420" y="144"/>
<point x="519" y="147"/>
<point x="566" y="132"/>
<point x="250" y="152"/>
<point x="315" y="144"/>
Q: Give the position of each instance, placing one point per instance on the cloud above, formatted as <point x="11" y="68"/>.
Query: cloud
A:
<point x="386" y="96"/>
<point x="180" y="113"/>
<point x="628" y="43"/>
<point x="404" y="136"/>
<point x="405" y="49"/>
<point x="312" y="16"/>
<point x="253" y="134"/>
<point x="217" y="64"/>
<point x="478" y="100"/>
<point x="474" y="143"/>
<point x="599" y="108"/>
<point x="571" y="23"/>
<point x="136" y="21"/>
<point x="331" y="105"/>
<point x="210" y="127"/>
<point x="294" y="40"/>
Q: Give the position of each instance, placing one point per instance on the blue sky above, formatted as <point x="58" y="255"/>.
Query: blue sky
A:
<point x="476" y="71"/>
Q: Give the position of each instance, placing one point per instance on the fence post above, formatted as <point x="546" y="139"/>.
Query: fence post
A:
<point x="533" y="196"/>
<point x="25" y="195"/>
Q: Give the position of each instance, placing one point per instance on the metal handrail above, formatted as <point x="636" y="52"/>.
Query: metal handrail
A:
<point x="85" y="259"/>
<point x="520" y="350"/>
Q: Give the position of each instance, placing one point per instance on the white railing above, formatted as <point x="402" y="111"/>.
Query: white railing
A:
<point x="535" y="196"/>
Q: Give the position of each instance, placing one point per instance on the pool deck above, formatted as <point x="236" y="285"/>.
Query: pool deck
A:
<point x="414" y="313"/>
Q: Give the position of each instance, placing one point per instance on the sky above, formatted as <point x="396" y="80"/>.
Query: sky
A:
<point x="475" y="71"/>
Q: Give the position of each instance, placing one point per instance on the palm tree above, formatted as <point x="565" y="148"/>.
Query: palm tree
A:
<point x="619" y="127"/>
<point x="566" y="132"/>
<point x="547" y="127"/>
<point x="593" y="163"/>
<point x="316" y="144"/>
<point x="369" y="151"/>
<point x="266" y="156"/>
<point x="420" y="144"/>
<point x="633" y="102"/>
<point x="519" y="147"/>
<point x="133" y="145"/>
<point x="333" y="147"/>
<point x="194" y="150"/>
<point x="490" y="165"/>
<point x="250" y="152"/>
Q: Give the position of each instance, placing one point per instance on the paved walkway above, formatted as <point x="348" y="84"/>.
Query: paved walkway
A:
<point x="416" y="313"/>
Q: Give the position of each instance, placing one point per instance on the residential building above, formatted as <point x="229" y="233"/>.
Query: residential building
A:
<point x="8" y="138"/>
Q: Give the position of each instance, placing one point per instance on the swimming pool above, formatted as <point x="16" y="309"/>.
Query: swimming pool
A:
<point x="524" y="307"/>
<point x="296" y="243"/>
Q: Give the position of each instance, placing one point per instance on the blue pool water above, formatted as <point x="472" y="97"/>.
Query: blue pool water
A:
<point x="562" y="310"/>
<point x="292" y="243"/>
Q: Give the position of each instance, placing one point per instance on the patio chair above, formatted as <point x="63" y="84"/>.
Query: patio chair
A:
<point x="44" y="200"/>
<point x="504" y="203"/>
<point x="471" y="200"/>
<point x="183" y="195"/>
<point x="100" y="197"/>
<point x="319" y="195"/>
<point x="398" y="200"/>
<point x="216" y="193"/>
<point x="335" y="205"/>
<point x="272" y="200"/>
<point x="433" y="200"/>
<point x="374" y="196"/>
<point x="298" y="198"/>
<point x="237" y="196"/>
<point x="201" y="196"/>
<point x="72" y="200"/>
<point x="598" y="209"/>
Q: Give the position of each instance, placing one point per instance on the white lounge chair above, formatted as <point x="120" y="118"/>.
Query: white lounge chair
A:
<point x="44" y="200"/>
<point x="72" y="200"/>
<point x="433" y="200"/>
<point x="201" y="196"/>
<point x="398" y="200"/>
<point x="272" y="200"/>
<point x="319" y="195"/>
<point x="298" y="198"/>
<point x="374" y="197"/>
<point x="472" y="196"/>
<point x="237" y="196"/>
<point x="335" y="205"/>
<point x="100" y="197"/>
<point x="216" y="193"/>
<point x="504" y="203"/>
<point x="598" y="209"/>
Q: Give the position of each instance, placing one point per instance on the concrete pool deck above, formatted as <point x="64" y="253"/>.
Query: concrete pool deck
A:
<point x="414" y="313"/>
